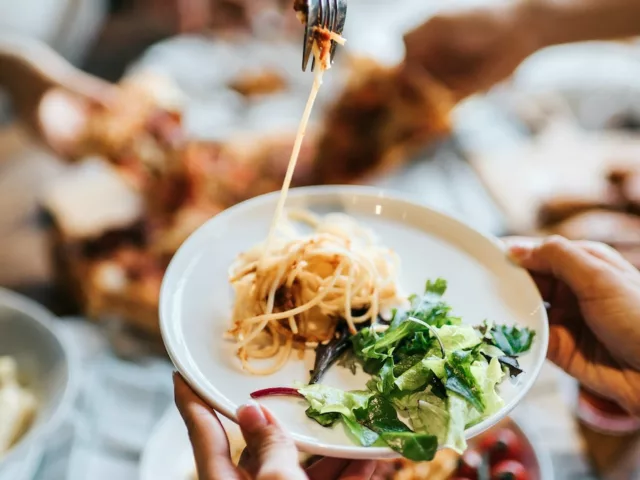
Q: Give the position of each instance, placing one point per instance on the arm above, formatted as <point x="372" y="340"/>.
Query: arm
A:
<point x="565" y="21"/>
<point x="48" y="94"/>
<point x="470" y="50"/>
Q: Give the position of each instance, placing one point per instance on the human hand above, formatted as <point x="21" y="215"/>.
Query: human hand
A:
<point x="594" y="314"/>
<point x="470" y="50"/>
<point x="270" y="453"/>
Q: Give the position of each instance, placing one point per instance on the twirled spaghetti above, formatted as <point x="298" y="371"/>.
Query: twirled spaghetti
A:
<point x="292" y="289"/>
<point x="293" y="292"/>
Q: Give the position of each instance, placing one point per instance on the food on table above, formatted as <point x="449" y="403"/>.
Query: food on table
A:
<point x="17" y="405"/>
<point x="382" y="117"/>
<point x="262" y="83"/>
<point x="469" y="463"/>
<point x="509" y="470"/>
<point x="502" y="444"/>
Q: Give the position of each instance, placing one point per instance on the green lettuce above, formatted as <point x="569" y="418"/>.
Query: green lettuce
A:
<point x="323" y="399"/>
<point x="431" y="378"/>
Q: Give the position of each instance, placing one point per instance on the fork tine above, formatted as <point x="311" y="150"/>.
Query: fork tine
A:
<point x="321" y="22"/>
<point x="325" y="12"/>
<point x="340" y="20"/>
<point x="333" y="7"/>
<point x="333" y="24"/>
<point x="341" y="16"/>
<point x="306" y="49"/>
<point x="312" y="20"/>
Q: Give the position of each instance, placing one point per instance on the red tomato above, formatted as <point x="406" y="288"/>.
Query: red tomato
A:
<point x="469" y="463"/>
<point x="509" y="470"/>
<point x="502" y="444"/>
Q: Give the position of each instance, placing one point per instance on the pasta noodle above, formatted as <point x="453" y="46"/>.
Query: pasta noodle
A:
<point x="295" y="293"/>
<point x="292" y="289"/>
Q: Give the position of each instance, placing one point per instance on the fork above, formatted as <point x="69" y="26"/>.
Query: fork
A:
<point x="329" y="14"/>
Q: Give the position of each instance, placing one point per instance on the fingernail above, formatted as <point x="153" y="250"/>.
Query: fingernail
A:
<point x="251" y="417"/>
<point x="518" y="252"/>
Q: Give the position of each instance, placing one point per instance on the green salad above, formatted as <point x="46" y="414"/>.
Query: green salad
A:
<point x="431" y="377"/>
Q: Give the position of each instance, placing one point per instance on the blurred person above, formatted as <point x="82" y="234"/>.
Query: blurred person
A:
<point x="594" y="335"/>
<point x="472" y="49"/>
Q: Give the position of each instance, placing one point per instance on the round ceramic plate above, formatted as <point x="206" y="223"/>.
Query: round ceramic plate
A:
<point x="196" y="302"/>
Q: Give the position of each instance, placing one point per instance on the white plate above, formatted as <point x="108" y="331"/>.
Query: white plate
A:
<point x="196" y="301"/>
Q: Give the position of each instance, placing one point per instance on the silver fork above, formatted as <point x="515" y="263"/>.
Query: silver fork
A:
<point x="329" y="14"/>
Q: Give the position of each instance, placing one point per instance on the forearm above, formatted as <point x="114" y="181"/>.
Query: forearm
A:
<point x="563" y="21"/>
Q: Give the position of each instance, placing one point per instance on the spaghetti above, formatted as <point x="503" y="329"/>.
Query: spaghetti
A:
<point x="292" y="289"/>
<point x="294" y="294"/>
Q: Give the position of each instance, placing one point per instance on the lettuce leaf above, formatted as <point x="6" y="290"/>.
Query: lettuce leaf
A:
<point x="385" y="379"/>
<point x="445" y="418"/>
<point x="460" y="379"/>
<point x="414" y="378"/>
<point x="415" y="447"/>
<point x="487" y="376"/>
<point x="324" y="419"/>
<point x="458" y="421"/>
<point x="381" y="416"/>
<point x="362" y="434"/>
<point x="458" y="337"/>
<point x="405" y="363"/>
<point x="324" y="399"/>
<point x="512" y="340"/>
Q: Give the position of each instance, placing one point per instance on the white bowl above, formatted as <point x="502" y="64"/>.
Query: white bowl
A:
<point x="195" y="302"/>
<point x="45" y="364"/>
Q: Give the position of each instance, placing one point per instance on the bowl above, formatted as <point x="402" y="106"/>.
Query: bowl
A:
<point x="196" y="302"/>
<point x="46" y="366"/>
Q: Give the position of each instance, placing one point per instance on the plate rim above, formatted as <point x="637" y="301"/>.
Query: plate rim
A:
<point x="355" y="451"/>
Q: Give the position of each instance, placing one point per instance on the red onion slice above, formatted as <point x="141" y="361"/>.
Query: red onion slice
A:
<point x="276" y="391"/>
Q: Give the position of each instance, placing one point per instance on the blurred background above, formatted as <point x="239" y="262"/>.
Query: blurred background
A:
<point x="100" y="184"/>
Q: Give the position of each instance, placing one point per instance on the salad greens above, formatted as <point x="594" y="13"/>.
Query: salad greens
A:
<point x="432" y="378"/>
